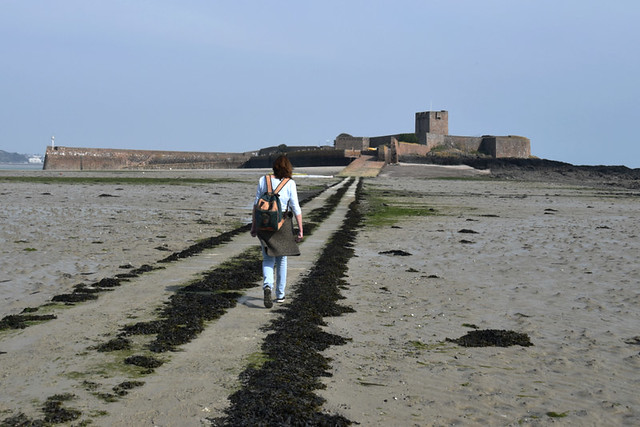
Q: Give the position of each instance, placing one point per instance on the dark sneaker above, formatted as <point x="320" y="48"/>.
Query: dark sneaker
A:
<point x="279" y="300"/>
<point x="267" y="298"/>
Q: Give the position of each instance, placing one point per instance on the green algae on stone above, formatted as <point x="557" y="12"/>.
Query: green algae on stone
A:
<point x="553" y="414"/>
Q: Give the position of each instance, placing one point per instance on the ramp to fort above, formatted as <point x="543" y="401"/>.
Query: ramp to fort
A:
<point x="363" y="166"/>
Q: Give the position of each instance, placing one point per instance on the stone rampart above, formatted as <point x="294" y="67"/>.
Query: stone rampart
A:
<point x="344" y="141"/>
<point x="304" y="158"/>
<point x="467" y="144"/>
<point x="408" y="149"/>
<point x="506" y="146"/>
<point x="72" y="158"/>
<point x="379" y="141"/>
<point x="494" y="146"/>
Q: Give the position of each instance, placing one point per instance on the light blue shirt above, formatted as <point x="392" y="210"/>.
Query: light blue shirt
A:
<point x="288" y="194"/>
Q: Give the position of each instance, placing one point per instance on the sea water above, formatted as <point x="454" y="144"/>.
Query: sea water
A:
<point x="21" y="166"/>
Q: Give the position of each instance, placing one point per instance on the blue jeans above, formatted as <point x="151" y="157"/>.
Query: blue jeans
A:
<point x="274" y="266"/>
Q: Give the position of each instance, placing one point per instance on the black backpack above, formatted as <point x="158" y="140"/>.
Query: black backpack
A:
<point x="269" y="216"/>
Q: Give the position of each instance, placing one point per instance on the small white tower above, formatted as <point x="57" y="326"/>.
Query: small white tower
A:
<point x="53" y="138"/>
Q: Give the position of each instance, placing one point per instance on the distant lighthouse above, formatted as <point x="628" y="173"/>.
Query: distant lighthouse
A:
<point x="53" y="138"/>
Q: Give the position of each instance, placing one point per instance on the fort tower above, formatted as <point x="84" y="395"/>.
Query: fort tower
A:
<point x="436" y="122"/>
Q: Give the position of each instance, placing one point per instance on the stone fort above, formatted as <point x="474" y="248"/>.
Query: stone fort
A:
<point x="432" y="134"/>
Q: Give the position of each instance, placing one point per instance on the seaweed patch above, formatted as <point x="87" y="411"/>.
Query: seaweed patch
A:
<point x="55" y="413"/>
<point x="141" y="328"/>
<point x="492" y="338"/>
<point x="144" y="361"/>
<point x="467" y="231"/>
<point x="123" y="388"/>
<point x="74" y="297"/>
<point x="21" y="321"/>
<point x="395" y="252"/>
<point x="118" y="343"/>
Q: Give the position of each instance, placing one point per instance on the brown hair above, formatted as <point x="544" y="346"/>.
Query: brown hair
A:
<point x="282" y="167"/>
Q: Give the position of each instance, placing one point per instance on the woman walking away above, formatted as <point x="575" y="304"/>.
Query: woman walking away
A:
<point x="274" y="261"/>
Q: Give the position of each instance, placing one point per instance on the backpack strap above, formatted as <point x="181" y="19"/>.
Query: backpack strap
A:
<point x="281" y="185"/>
<point x="267" y="179"/>
<point x="278" y="188"/>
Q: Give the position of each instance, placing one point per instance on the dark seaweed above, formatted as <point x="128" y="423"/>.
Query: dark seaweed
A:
<point x="84" y="289"/>
<point x="467" y="231"/>
<point x="55" y="413"/>
<point x="123" y="388"/>
<point x="21" y="420"/>
<point x="107" y="282"/>
<point x="118" y="343"/>
<point x="19" y="321"/>
<point x="144" y="361"/>
<point x="125" y="275"/>
<point x="209" y="243"/>
<point x="185" y="317"/>
<point x="492" y="338"/>
<point x="74" y="297"/>
<point x="395" y="252"/>
<point x="145" y="268"/>
<point x="141" y="328"/>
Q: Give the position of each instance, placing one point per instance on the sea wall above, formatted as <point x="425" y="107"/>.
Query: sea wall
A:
<point x="495" y="146"/>
<point x="307" y="158"/>
<point x="506" y="146"/>
<point x="73" y="158"/>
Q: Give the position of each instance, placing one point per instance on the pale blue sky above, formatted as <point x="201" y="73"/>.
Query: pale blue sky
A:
<point x="200" y="75"/>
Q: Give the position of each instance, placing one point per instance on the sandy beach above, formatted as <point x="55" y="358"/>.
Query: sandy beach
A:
<point x="556" y="261"/>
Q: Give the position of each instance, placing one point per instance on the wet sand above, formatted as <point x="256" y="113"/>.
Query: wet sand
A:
<point x="555" y="261"/>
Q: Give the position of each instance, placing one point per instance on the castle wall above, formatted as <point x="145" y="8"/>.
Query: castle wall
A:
<point x="379" y="141"/>
<point x="408" y="149"/>
<point x="507" y="146"/>
<point x="463" y="143"/>
<point x="467" y="144"/>
<point x="71" y="158"/>
<point x="305" y="158"/>
<point x="495" y="146"/>
<point x="432" y="140"/>
<point x="348" y="142"/>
